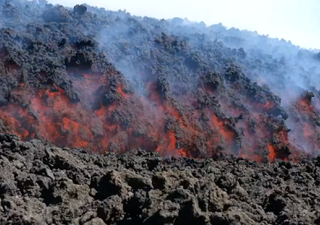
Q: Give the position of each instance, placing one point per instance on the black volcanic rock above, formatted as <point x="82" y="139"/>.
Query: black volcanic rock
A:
<point x="65" y="186"/>
<point x="105" y="104"/>
<point x="80" y="9"/>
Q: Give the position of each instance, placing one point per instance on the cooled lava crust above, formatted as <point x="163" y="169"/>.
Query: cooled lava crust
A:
<point x="40" y="184"/>
<point x="111" y="82"/>
<point x="181" y="121"/>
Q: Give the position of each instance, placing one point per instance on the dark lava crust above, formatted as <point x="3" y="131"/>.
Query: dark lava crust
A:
<point x="110" y="82"/>
<point x="140" y="91"/>
<point x="49" y="185"/>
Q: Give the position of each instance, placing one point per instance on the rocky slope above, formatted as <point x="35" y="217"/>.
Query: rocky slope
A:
<point x="109" y="81"/>
<point x="121" y="120"/>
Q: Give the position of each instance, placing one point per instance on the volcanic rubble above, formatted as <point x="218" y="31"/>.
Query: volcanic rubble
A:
<point x="108" y="118"/>
<point x="41" y="184"/>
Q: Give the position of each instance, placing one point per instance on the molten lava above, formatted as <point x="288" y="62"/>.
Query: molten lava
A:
<point x="108" y="118"/>
<point x="305" y="122"/>
<point x="272" y="152"/>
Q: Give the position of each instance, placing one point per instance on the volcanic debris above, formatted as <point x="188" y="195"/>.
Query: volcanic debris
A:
<point x="40" y="184"/>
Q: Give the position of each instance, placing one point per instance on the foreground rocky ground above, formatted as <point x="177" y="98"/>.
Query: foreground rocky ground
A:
<point x="40" y="184"/>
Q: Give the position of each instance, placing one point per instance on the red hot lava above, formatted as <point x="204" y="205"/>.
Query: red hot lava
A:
<point x="151" y="122"/>
<point x="305" y="123"/>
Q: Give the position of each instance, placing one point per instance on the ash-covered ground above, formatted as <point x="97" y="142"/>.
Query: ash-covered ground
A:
<point x="40" y="184"/>
<point x="129" y="94"/>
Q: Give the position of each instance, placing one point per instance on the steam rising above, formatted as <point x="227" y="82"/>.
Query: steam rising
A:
<point x="287" y="70"/>
<point x="109" y="81"/>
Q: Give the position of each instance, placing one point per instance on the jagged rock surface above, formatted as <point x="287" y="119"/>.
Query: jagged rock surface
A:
<point x="40" y="184"/>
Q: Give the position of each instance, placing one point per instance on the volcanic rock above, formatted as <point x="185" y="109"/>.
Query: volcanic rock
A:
<point x="111" y="82"/>
<point x="40" y="184"/>
<point x="108" y="118"/>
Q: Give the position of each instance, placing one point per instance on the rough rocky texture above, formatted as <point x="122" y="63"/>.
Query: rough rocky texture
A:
<point x="142" y="90"/>
<point x="40" y="184"/>
<point x="109" y="81"/>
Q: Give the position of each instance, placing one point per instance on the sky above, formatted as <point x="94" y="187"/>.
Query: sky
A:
<point x="294" y="20"/>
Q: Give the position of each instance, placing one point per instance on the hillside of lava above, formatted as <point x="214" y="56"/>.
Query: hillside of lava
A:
<point x="111" y="82"/>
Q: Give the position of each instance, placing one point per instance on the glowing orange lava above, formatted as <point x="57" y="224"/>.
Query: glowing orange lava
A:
<point x="271" y="152"/>
<point x="169" y="124"/>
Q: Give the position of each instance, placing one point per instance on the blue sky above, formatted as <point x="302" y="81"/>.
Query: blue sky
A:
<point x="295" y="20"/>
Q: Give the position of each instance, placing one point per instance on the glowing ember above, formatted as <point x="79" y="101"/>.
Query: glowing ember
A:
<point x="272" y="153"/>
<point x="109" y="119"/>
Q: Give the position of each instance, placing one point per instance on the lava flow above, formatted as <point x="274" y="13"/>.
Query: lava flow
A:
<point x="132" y="85"/>
<point x="131" y="121"/>
<point x="305" y="121"/>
